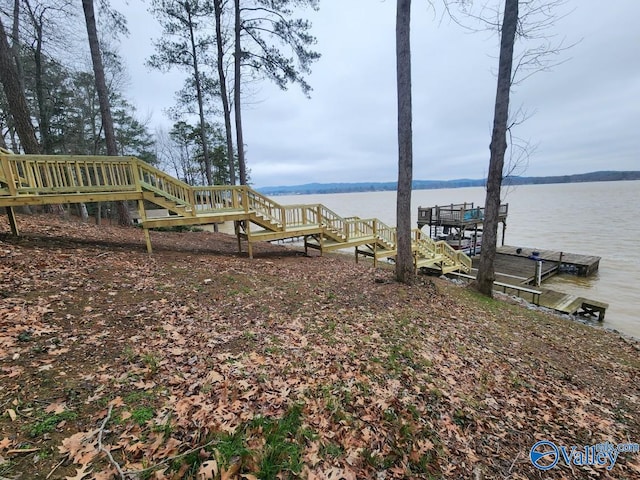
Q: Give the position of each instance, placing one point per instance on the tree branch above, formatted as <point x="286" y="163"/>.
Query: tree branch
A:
<point x="101" y="448"/>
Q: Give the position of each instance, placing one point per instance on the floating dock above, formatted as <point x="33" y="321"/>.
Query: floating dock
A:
<point x="520" y="270"/>
<point x="577" y="264"/>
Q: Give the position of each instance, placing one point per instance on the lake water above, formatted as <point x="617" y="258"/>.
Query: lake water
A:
<point x="599" y="218"/>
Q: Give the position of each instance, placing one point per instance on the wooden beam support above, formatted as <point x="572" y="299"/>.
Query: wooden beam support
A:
<point x="147" y="238"/>
<point x="375" y="255"/>
<point x="20" y="200"/>
<point x="143" y="218"/>
<point x="236" y="228"/>
<point x="12" y="221"/>
<point x="247" y="231"/>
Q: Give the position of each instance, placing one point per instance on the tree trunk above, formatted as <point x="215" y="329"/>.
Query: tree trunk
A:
<point x="84" y="215"/>
<point x="43" y="112"/>
<point x="236" y="96"/>
<point x="217" y="4"/>
<point x="498" y="147"/>
<point x="196" y="78"/>
<point x="124" y="217"/>
<point x="15" y="42"/>
<point x="15" y="97"/>
<point x="405" y="269"/>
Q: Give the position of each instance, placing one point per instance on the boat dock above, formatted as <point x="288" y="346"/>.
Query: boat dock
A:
<point x="521" y="270"/>
<point x="577" y="264"/>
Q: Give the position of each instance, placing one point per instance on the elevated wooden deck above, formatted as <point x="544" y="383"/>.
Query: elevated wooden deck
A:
<point x="455" y="220"/>
<point x="42" y="180"/>
<point x="456" y="215"/>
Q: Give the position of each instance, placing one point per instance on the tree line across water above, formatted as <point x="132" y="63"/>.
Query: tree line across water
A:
<point x="311" y="188"/>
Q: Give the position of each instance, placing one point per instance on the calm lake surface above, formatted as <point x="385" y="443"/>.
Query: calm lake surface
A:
<point x="599" y="218"/>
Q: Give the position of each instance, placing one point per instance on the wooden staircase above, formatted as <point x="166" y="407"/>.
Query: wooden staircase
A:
<point x="40" y="179"/>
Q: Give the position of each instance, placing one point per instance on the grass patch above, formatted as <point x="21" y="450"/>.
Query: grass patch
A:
<point x="331" y="450"/>
<point x="231" y="448"/>
<point x="138" y="396"/>
<point x="277" y="445"/>
<point x="48" y="423"/>
<point x="285" y="439"/>
<point x="142" y="415"/>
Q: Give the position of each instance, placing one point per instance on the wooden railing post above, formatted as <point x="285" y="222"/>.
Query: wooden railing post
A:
<point x="8" y="175"/>
<point x="191" y="199"/>
<point x="136" y="173"/>
<point x="245" y="199"/>
<point x="234" y="197"/>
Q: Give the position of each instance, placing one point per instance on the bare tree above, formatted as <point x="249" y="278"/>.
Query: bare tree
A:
<point x="15" y="96"/>
<point x="226" y="108"/>
<point x="46" y="21"/>
<point x="237" y="106"/>
<point x="124" y="217"/>
<point x="529" y="20"/>
<point x="260" y="27"/>
<point x="405" y="269"/>
<point x="184" y="43"/>
<point x="498" y="147"/>
<point x="15" y="38"/>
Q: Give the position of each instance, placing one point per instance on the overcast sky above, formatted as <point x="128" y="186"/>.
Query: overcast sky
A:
<point x="584" y="115"/>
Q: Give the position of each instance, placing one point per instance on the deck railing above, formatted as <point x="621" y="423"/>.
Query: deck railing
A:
<point x="454" y="214"/>
<point x="425" y="245"/>
<point x="446" y="250"/>
<point x="387" y="234"/>
<point x="30" y="174"/>
<point x="359" y="228"/>
<point x="331" y="220"/>
<point x="163" y="184"/>
<point x="464" y="260"/>
<point x="217" y="198"/>
<point x="266" y="207"/>
<point x="300" y="215"/>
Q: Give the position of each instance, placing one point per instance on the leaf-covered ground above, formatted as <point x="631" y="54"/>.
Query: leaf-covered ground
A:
<point x="197" y="362"/>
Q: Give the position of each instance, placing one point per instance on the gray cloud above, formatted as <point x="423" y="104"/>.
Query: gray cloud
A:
<point x="585" y="111"/>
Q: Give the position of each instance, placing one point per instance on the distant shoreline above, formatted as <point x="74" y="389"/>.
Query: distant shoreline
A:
<point x="323" y="188"/>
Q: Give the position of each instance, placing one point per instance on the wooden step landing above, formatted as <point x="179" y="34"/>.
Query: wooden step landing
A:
<point x="330" y="245"/>
<point x="292" y="232"/>
<point x="199" y="219"/>
<point x="572" y="304"/>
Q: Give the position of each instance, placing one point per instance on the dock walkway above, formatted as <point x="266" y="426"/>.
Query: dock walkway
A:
<point x="516" y="274"/>
<point x="582" y="265"/>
